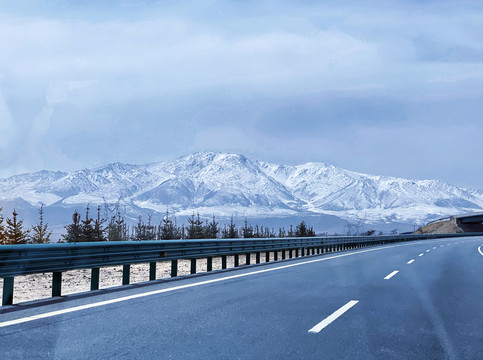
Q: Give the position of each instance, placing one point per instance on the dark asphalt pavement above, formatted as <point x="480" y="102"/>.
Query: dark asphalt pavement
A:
<point x="431" y="309"/>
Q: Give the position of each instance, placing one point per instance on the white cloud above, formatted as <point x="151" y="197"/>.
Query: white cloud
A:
<point x="148" y="81"/>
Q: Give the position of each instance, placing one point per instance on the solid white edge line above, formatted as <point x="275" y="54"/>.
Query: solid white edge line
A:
<point x="391" y="275"/>
<point x="174" y="288"/>
<point x="155" y="292"/>
<point x="479" y="250"/>
<point x="410" y="261"/>
<point x="329" y="319"/>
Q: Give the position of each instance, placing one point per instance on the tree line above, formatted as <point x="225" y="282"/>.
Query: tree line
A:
<point x="13" y="232"/>
<point x="87" y="228"/>
<point x="98" y="229"/>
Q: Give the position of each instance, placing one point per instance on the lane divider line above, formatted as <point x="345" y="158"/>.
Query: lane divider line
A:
<point x="410" y="261"/>
<point x="434" y="247"/>
<point x="331" y="318"/>
<point x="427" y="250"/>
<point x="479" y="250"/>
<point x="421" y="254"/>
<point x="391" y="275"/>
<point x="174" y="288"/>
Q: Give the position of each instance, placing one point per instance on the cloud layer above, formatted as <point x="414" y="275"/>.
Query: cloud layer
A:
<point x="394" y="88"/>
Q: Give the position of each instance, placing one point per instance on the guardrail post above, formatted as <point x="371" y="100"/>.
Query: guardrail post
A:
<point x="209" y="263"/>
<point x="267" y="256"/>
<point x="152" y="271"/>
<point x="290" y="253"/>
<point x="223" y="261"/>
<point x="236" y="260"/>
<point x="7" y="298"/>
<point x="296" y="252"/>
<point x="275" y="255"/>
<point x="95" y="278"/>
<point x="193" y="266"/>
<point x="283" y="254"/>
<point x="257" y="258"/>
<point x="302" y="252"/>
<point x="174" y="268"/>
<point x="126" y="274"/>
<point x="247" y="259"/>
<point x="56" y="283"/>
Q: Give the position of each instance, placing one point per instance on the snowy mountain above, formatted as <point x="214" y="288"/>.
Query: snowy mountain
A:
<point x="230" y="184"/>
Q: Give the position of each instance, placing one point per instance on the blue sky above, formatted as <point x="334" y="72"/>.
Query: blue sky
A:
<point x="383" y="87"/>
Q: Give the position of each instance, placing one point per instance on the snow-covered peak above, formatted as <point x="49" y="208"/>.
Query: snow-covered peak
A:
<point x="221" y="183"/>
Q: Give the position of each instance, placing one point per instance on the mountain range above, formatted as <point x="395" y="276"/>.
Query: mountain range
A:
<point x="226" y="184"/>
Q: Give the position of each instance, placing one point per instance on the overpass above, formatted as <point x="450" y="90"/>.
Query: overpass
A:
<point x="462" y="223"/>
<point x="470" y="222"/>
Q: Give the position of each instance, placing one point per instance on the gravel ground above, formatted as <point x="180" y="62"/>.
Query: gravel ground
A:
<point x="39" y="286"/>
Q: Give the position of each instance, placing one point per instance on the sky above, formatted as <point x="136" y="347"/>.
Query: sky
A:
<point x="381" y="87"/>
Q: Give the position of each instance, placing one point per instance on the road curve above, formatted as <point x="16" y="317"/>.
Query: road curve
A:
<point x="418" y="300"/>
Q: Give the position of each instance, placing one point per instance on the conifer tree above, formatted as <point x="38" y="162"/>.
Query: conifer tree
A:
<point x="2" y="229"/>
<point x="195" y="229"/>
<point x="40" y="235"/>
<point x="74" y="230"/>
<point x="87" y="227"/>
<point x="290" y="232"/>
<point x="167" y="231"/>
<point x="247" y="231"/>
<point x="211" y="229"/>
<point x="301" y="230"/>
<point x="281" y="232"/>
<point x="232" y="231"/>
<point x="98" y="229"/>
<point x="150" y="233"/>
<point x="14" y="232"/>
<point x="116" y="230"/>
<point x="140" y="230"/>
<point x="256" y="232"/>
<point x="272" y="233"/>
<point x="311" y="231"/>
<point x="224" y="232"/>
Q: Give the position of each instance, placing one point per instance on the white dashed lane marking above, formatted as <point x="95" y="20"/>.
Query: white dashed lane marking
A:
<point x="391" y="275"/>
<point x="329" y="319"/>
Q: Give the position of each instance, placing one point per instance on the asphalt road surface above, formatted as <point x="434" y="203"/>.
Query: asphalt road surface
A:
<point x="420" y="300"/>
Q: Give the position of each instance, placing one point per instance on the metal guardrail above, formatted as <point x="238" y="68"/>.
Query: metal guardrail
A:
<point x="18" y="260"/>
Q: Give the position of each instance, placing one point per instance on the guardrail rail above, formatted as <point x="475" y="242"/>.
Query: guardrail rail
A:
<point x="18" y="260"/>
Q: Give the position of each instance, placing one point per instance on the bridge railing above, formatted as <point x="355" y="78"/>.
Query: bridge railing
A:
<point x="18" y="260"/>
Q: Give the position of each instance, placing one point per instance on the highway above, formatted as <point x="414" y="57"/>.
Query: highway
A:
<point x="418" y="300"/>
